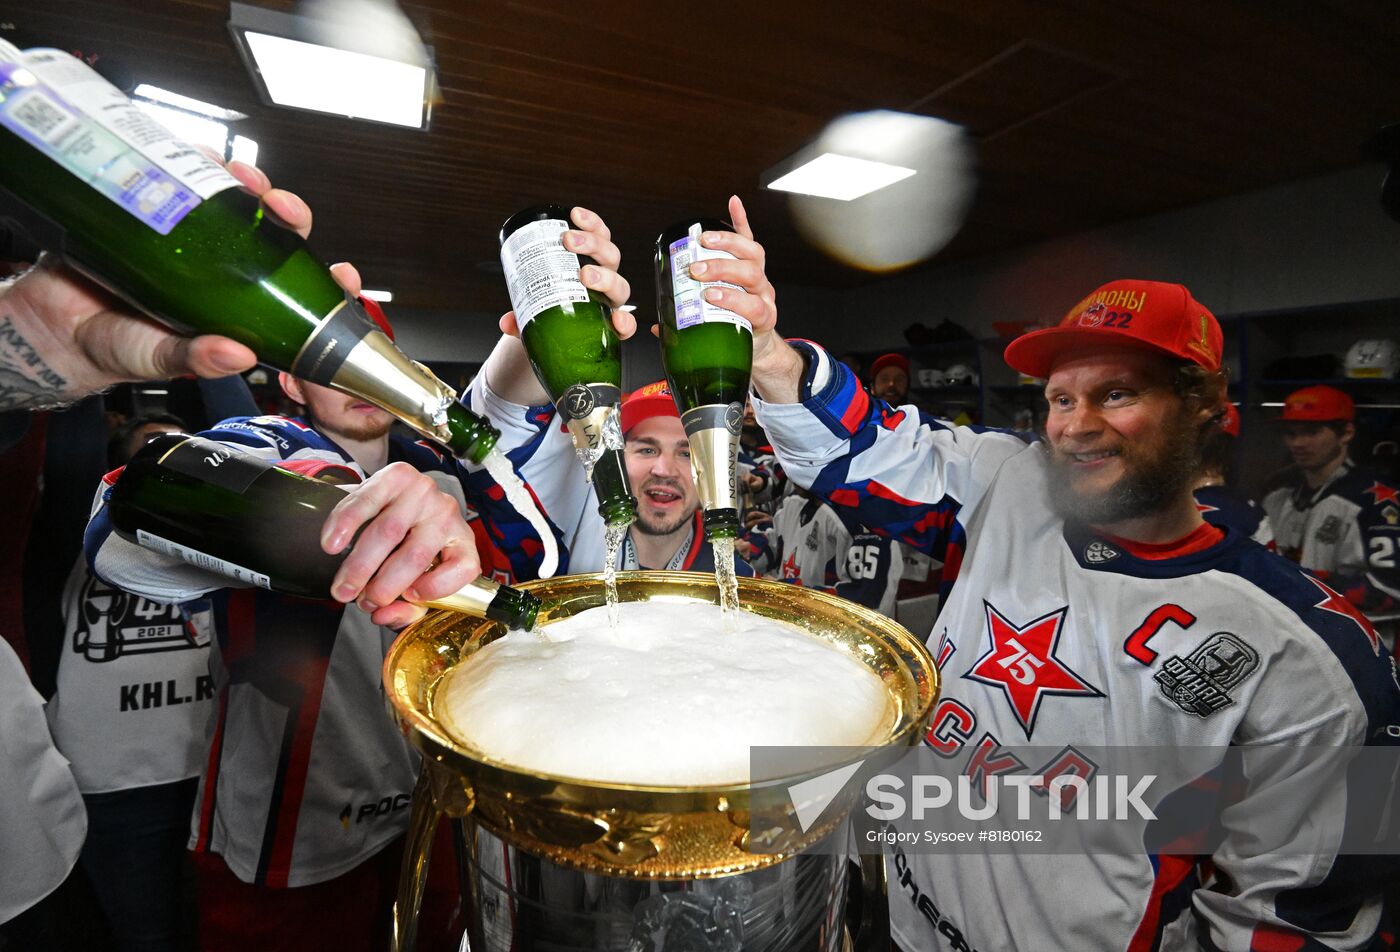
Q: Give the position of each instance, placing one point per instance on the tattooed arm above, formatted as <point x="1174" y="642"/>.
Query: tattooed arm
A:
<point x="62" y="338"/>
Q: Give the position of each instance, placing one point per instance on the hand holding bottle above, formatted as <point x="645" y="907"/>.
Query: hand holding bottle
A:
<point x="407" y="524"/>
<point x="776" y="366"/>
<point x="594" y="240"/>
<point x="84" y="339"/>
<point x="508" y="368"/>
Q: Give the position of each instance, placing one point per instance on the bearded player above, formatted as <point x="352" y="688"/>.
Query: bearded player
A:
<point x="1090" y="603"/>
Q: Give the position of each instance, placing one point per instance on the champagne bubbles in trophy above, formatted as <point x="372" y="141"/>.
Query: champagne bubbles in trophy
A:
<point x="881" y="190"/>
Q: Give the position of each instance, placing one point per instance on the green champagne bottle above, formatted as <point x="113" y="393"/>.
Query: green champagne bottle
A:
<point x="152" y="219"/>
<point x="568" y="333"/>
<point x="240" y="516"/>
<point x="708" y="355"/>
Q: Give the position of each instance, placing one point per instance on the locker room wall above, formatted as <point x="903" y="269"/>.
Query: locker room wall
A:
<point x="1318" y="241"/>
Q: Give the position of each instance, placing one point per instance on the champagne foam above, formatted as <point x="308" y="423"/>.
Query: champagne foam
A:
<point x="666" y="698"/>
<point x="518" y="496"/>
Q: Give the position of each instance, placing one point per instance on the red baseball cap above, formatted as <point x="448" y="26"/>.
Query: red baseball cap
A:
<point x="646" y="402"/>
<point x="889" y="360"/>
<point x="1230" y="420"/>
<point x="1153" y="314"/>
<point x="376" y="314"/>
<point x="1320" y="404"/>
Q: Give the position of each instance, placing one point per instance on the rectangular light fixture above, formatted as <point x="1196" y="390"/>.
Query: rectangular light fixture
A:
<point x="292" y="72"/>
<point x="187" y="103"/>
<point x="376" y="294"/>
<point x="840" y="177"/>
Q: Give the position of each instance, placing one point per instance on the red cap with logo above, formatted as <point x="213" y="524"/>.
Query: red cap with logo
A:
<point x="1152" y="314"/>
<point x="1320" y="404"/>
<point x="889" y="360"/>
<point x="646" y="402"/>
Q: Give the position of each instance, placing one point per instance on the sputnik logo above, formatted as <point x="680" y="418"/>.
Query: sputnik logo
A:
<point x="810" y="798"/>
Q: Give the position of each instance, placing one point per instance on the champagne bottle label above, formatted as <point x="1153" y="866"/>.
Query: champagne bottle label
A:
<point x="244" y="576"/>
<point x="716" y="416"/>
<point x="326" y="350"/>
<point x="588" y="409"/>
<point x="540" y="272"/>
<point x="581" y="400"/>
<point x="714" y="451"/>
<point x="691" y="306"/>
<point x="63" y="108"/>
<point x="214" y="463"/>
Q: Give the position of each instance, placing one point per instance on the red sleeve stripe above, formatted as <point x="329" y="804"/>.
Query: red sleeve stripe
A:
<point x="1171" y="872"/>
<point x="211" y="775"/>
<point x="856" y="411"/>
<point x="293" y="778"/>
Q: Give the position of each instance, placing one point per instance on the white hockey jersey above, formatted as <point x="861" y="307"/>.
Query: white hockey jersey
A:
<point x="807" y="544"/>
<point x="134" y="693"/>
<point x="1055" y="638"/>
<point x="1346" y="531"/>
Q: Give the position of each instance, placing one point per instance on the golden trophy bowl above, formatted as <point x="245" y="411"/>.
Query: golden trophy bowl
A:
<point x="633" y="833"/>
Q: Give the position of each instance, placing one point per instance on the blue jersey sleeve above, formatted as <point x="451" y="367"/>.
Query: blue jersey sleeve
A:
<point x="895" y="470"/>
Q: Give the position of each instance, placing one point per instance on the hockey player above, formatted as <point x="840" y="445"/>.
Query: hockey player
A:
<point x="287" y="817"/>
<point x="889" y="378"/>
<point x="1090" y="574"/>
<point x="760" y="477"/>
<point x="668" y="532"/>
<point x="807" y="544"/>
<point x="1335" y="519"/>
<point x="1220" y="502"/>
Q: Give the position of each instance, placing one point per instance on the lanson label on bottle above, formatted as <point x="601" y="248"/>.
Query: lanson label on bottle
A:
<point x="691" y="306"/>
<point x="63" y="108"/>
<point x="214" y="463"/>
<point x="540" y="272"/>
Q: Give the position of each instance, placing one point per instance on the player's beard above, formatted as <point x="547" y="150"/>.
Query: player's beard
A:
<point x="1152" y="480"/>
<point x="362" y="433"/>
<point x="653" y="527"/>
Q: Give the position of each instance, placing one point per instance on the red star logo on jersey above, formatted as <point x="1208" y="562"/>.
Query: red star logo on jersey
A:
<point x="1380" y="492"/>
<point x="1338" y="605"/>
<point x="1022" y="663"/>
<point x="791" y="573"/>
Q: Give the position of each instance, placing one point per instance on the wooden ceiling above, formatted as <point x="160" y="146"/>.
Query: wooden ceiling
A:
<point x="1086" y="112"/>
